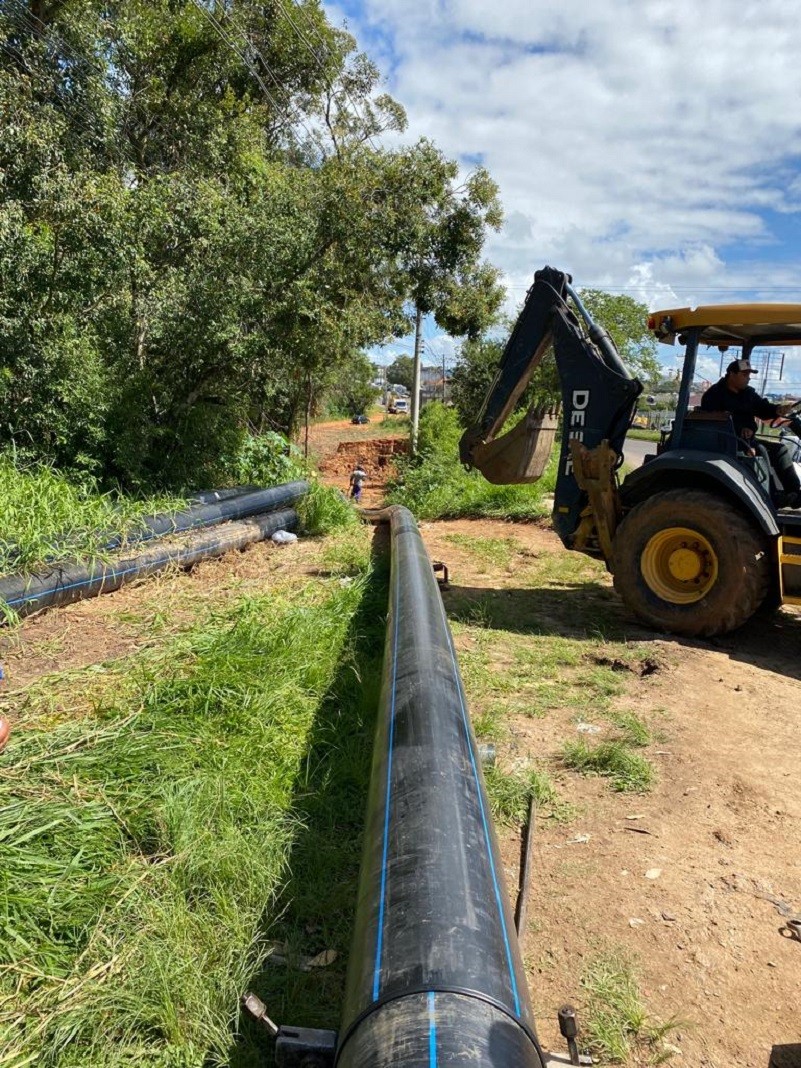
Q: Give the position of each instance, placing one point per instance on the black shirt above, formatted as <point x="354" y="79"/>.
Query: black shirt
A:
<point x="743" y="405"/>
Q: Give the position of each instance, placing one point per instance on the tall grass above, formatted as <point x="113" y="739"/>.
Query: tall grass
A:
<point x="325" y="509"/>
<point x="435" y="485"/>
<point x="43" y="514"/>
<point x="510" y="793"/>
<point x="145" y="847"/>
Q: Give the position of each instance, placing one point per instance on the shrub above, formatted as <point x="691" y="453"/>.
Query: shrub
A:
<point x="435" y="485"/>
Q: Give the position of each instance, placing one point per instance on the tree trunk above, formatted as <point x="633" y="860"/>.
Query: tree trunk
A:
<point x="309" y="397"/>
<point x="418" y="323"/>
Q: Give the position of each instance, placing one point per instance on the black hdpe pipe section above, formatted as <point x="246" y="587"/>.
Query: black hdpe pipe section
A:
<point x="210" y="496"/>
<point x="32" y="593"/>
<point x="435" y="975"/>
<point x="209" y="514"/>
<point x="211" y="507"/>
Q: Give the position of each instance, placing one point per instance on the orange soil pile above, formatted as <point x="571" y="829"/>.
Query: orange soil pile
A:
<point x="376" y="455"/>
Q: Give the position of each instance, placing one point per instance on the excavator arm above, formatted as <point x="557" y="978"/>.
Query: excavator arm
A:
<point x="598" y="402"/>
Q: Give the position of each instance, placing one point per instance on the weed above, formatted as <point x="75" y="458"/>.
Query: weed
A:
<point x="510" y="793"/>
<point x="628" y="772"/>
<point x="633" y="731"/>
<point x="46" y="516"/>
<point x="615" y="1020"/>
<point x="347" y="553"/>
<point x="435" y="485"/>
<point x="493" y="552"/>
<point x="324" y="509"/>
<point x="605" y="682"/>
<point x="489" y="722"/>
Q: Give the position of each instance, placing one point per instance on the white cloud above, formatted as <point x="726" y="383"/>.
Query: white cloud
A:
<point x="645" y="144"/>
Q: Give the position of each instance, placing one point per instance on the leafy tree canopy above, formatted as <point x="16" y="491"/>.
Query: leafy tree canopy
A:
<point x="401" y="371"/>
<point x="198" y="228"/>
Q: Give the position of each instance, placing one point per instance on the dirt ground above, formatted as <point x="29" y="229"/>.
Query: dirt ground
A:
<point x="338" y="446"/>
<point x="718" y="836"/>
<point x="720" y="827"/>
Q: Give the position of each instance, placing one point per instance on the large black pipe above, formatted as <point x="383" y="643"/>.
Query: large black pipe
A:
<point x="435" y="975"/>
<point x="205" y="515"/>
<point x="210" y="496"/>
<point x="32" y="593"/>
<point x="210" y="508"/>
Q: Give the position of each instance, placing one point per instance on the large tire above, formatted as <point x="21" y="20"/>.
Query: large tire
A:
<point x="689" y="562"/>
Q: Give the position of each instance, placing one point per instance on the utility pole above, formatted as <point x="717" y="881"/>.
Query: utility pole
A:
<point x="418" y="322"/>
<point x="443" y="374"/>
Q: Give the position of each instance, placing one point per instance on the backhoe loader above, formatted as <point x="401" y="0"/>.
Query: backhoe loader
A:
<point x="695" y="539"/>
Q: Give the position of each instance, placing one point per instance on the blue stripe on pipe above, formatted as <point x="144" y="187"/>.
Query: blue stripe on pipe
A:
<point x="432" y="1030"/>
<point x="380" y="933"/>
<point x="484" y="821"/>
<point x="110" y="576"/>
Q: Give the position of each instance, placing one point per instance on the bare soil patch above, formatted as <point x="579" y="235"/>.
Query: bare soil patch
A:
<point x="720" y="826"/>
<point x="338" y="446"/>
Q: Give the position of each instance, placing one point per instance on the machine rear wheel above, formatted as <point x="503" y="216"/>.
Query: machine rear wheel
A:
<point x="689" y="562"/>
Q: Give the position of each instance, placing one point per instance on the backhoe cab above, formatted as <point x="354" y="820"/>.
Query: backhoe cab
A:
<point x="694" y="538"/>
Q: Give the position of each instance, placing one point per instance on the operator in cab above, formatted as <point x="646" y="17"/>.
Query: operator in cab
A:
<point x="733" y="394"/>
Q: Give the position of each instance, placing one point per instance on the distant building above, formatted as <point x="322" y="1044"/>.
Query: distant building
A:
<point x="432" y="384"/>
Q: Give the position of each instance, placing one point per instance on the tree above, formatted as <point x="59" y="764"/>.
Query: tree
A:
<point x="442" y="265"/>
<point x="477" y="362"/>
<point x="352" y="391"/>
<point x="626" y="321"/>
<point x="199" y="232"/>
<point x="401" y="371"/>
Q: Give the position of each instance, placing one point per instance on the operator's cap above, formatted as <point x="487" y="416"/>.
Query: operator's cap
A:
<point x="741" y="365"/>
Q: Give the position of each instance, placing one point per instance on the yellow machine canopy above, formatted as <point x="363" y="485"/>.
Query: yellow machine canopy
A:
<point x="744" y="325"/>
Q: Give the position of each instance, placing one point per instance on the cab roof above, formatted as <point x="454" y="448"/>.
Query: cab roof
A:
<point x="731" y="324"/>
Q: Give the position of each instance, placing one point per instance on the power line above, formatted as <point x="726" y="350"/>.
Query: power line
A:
<point x="71" y="116"/>
<point x="302" y="11"/>
<point x="249" y="43"/>
<point x="227" y="40"/>
<point x="46" y="33"/>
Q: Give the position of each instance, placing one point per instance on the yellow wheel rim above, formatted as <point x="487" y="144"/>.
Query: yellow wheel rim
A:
<point x="679" y="565"/>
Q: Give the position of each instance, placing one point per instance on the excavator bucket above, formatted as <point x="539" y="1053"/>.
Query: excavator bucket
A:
<point x="522" y="454"/>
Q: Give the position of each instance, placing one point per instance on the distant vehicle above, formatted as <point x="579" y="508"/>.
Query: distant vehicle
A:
<point x="401" y="405"/>
<point x="360" y="419"/>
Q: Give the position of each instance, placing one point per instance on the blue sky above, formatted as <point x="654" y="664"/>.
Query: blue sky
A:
<point x="651" y="147"/>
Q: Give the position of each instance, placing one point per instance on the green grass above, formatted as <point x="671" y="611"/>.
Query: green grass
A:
<point x="492" y="552"/>
<point x="632" y="729"/>
<point x="46" y="515"/>
<point x="150" y="847"/>
<point x="627" y="771"/>
<point x="435" y="485"/>
<point x="510" y="793"/>
<point x="615" y="1021"/>
<point x="324" y="509"/>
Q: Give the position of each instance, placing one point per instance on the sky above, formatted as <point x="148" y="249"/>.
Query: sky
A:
<point x="647" y="147"/>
